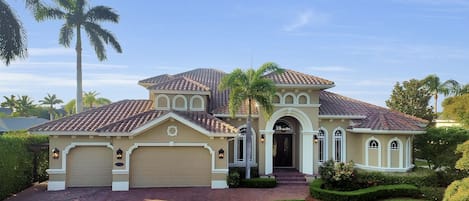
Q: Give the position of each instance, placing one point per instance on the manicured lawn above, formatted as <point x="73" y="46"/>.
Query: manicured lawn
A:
<point x="402" y="199"/>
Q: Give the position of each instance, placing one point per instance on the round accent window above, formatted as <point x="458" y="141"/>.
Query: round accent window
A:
<point x="172" y="131"/>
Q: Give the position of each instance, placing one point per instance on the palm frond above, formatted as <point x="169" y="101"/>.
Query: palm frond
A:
<point x="237" y="98"/>
<point x="44" y="13"/>
<point x="66" y="35"/>
<point x="68" y="5"/>
<point x="96" y="42"/>
<point x="450" y="87"/>
<point x="12" y="35"/>
<point x="105" y="35"/>
<point x="102" y="13"/>
<point x="268" y="67"/>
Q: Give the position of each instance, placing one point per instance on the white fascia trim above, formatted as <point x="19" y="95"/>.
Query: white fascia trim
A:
<point x="370" y="131"/>
<point x="181" y="92"/>
<point x="304" y="86"/>
<point x="382" y="169"/>
<point x="120" y="186"/>
<point x="120" y="172"/>
<point x="55" y="171"/>
<point x="64" y="132"/>
<point x="219" y="184"/>
<point x="220" y="171"/>
<point x="341" y="116"/>
<point x="55" y="185"/>
<point x="236" y="116"/>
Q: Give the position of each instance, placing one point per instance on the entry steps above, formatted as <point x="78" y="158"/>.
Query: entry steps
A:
<point x="289" y="177"/>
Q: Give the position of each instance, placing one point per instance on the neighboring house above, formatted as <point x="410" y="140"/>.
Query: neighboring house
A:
<point x="19" y="123"/>
<point x="5" y="110"/>
<point x="184" y="136"/>
<point x="446" y="123"/>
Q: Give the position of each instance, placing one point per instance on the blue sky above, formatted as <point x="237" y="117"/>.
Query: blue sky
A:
<point x="365" y="47"/>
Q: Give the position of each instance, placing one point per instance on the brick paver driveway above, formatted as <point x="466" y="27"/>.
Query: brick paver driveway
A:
<point x="38" y="192"/>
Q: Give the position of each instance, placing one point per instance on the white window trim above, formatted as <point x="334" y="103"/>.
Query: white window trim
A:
<point x="192" y="108"/>
<point x="408" y="152"/>
<point x="280" y="97"/>
<point x="167" y="101"/>
<point x="326" y="147"/>
<point x="175" y="98"/>
<point x="295" y="100"/>
<point x="308" y="101"/>
<point x="343" y="144"/>
<point x="373" y="146"/>
<point x="367" y="149"/>
<point x="390" y="150"/>
<point x="236" y="159"/>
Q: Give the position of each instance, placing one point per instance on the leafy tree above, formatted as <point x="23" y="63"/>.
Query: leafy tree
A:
<point x="410" y="98"/>
<point x="70" y="107"/>
<point x="433" y="84"/>
<point x="91" y="100"/>
<point x="459" y="190"/>
<point x="250" y="86"/>
<point x="457" y="108"/>
<point x="51" y="100"/>
<point x="438" y="146"/>
<point x="77" y="16"/>
<point x="10" y="102"/>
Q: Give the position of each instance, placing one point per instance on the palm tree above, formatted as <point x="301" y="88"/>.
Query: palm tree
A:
<point x="70" y="107"/>
<point x="24" y="105"/>
<point x="51" y="100"/>
<point x="10" y="103"/>
<point x="77" y="18"/>
<point x="250" y="86"/>
<point x="433" y="84"/>
<point x="90" y="99"/>
<point x="12" y="35"/>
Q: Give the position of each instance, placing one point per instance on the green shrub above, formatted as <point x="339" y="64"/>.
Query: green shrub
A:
<point x="242" y="171"/>
<point x="371" y="193"/>
<point x="16" y="162"/>
<point x="259" y="183"/>
<point x="457" y="191"/>
<point x="421" y="178"/>
<point x="432" y="193"/>
<point x="448" y="175"/>
<point x="338" y="176"/>
<point x="233" y="180"/>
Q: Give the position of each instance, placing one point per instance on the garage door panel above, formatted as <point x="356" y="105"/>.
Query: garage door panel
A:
<point x="170" y="167"/>
<point x="89" y="166"/>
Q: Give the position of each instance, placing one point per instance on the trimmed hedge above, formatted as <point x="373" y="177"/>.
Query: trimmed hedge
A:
<point x="259" y="183"/>
<point x="16" y="162"/>
<point x="368" y="179"/>
<point x="366" y="194"/>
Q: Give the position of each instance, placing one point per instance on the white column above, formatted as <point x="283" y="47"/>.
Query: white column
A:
<point x="268" y="134"/>
<point x="307" y="152"/>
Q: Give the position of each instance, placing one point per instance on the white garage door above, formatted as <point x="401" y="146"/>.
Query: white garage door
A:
<point x="89" y="166"/>
<point x="170" y="167"/>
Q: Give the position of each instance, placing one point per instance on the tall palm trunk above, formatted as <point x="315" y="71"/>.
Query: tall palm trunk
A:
<point x="79" y="103"/>
<point x="435" y="96"/>
<point x="248" y="153"/>
<point x="51" y="115"/>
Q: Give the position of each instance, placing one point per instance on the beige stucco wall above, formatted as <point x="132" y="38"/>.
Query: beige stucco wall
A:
<point x="179" y="102"/>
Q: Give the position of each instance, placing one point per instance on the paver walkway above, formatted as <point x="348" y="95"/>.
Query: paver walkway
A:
<point x="282" y="192"/>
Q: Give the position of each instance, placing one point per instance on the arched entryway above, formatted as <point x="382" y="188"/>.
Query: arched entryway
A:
<point x="301" y="134"/>
<point x="285" y="143"/>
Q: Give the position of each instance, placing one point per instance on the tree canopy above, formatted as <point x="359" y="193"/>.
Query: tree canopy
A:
<point x="457" y="108"/>
<point x="411" y="98"/>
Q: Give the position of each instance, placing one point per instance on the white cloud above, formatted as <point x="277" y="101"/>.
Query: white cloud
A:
<point x="306" y="18"/>
<point x="330" y="69"/>
<point x="51" y="51"/>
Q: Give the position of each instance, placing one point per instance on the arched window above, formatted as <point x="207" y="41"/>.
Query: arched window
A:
<point x="373" y="144"/>
<point x="197" y="103"/>
<point x="339" y="145"/>
<point x="303" y="98"/>
<point x="276" y="99"/>
<point x="394" y="145"/>
<point x="180" y="102"/>
<point x="162" y="102"/>
<point x="240" y="146"/>
<point x="322" y="143"/>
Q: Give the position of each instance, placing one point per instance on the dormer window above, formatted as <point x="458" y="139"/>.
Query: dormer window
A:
<point x="197" y="103"/>
<point x="162" y="102"/>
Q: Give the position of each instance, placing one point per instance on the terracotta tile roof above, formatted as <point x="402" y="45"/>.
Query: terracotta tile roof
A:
<point x="290" y="77"/>
<point x="180" y="84"/>
<point x="90" y="120"/>
<point x="154" y="80"/>
<point x="202" y="119"/>
<point x="376" y="118"/>
<point x="243" y="110"/>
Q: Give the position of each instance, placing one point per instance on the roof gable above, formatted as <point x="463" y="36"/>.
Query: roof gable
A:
<point x="180" y="84"/>
<point x="291" y="77"/>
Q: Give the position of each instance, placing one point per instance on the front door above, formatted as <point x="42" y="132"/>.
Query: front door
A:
<point x="282" y="150"/>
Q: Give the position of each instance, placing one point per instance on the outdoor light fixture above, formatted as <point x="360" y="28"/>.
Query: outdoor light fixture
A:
<point x="316" y="140"/>
<point x="119" y="154"/>
<point x="55" y="153"/>
<point x="262" y="138"/>
<point x="221" y="154"/>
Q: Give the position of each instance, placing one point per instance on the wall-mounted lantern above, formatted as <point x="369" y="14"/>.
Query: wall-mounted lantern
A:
<point x="55" y="153"/>
<point x="262" y="138"/>
<point x="221" y="154"/>
<point x="316" y="140"/>
<point x="119" y="154"/>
